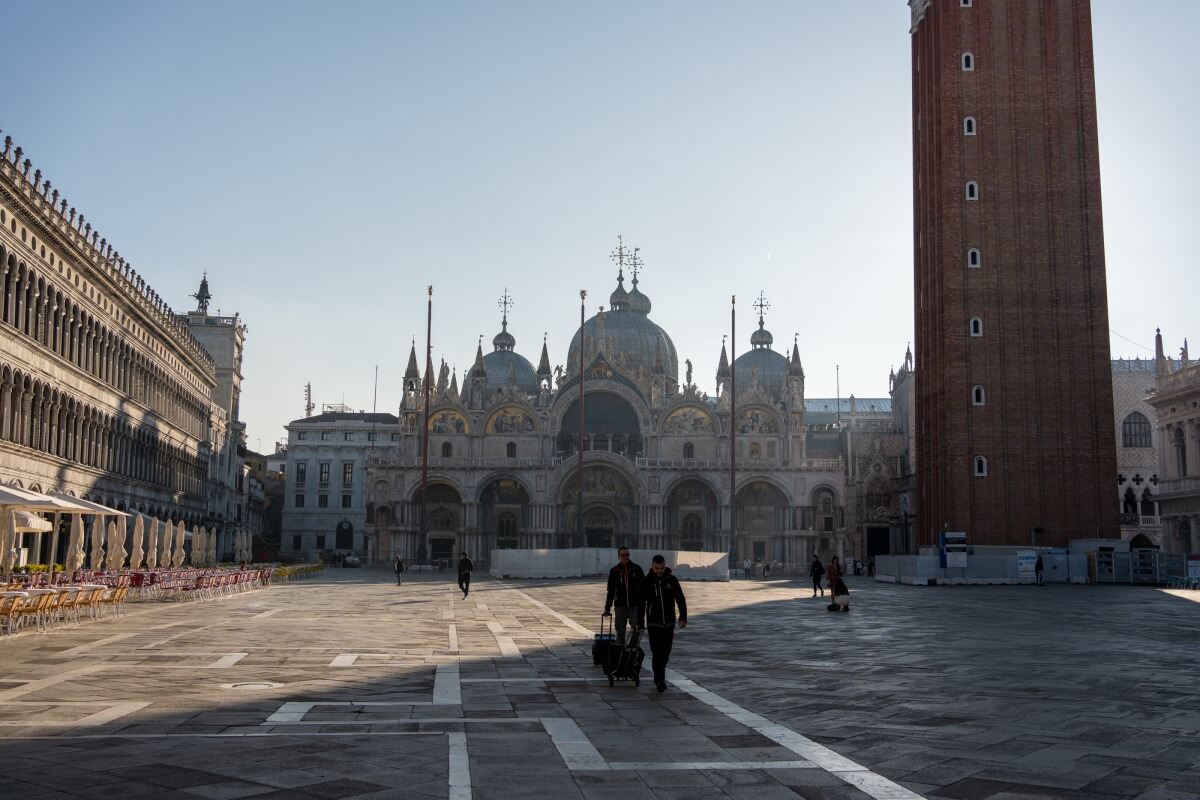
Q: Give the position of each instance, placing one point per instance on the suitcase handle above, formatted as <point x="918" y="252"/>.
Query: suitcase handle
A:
<point x="604" y="617"/>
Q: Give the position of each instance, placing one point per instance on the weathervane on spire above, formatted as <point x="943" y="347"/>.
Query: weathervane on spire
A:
<point x="636" y="263"/>
<point x="618" y="255"/>
<point x="505" y="303"/>
<point x="761" y="305"/>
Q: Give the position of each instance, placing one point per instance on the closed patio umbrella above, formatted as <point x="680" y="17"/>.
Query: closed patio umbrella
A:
<point x="74" y="558"/>
<point x="197" y="556"/>
<point x="212" y="546"/>
<point x="136" y="554"/>
<point x="180" y="535"/>
<point x="96" y="557"/>
<point x="152" y="544"/>
<point x="112" y="557"/>
<point x="8" y="540"/>
<point x="168" y="537"/>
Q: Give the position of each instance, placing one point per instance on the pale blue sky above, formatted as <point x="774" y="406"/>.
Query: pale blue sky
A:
<point x="324" y="162"/>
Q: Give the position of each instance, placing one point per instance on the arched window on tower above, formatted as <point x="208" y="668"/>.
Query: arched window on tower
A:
<point x="968" y="62"/>
<point x="1135" y="430"/>
<point x="976" y="327"/>
<point x="974" y="259"/>
<point x="980" y="467"/>
<point x="511" y="449"/>
<point x="978" y="396"/>
<point x="968" y="126"/>
<point x="447" y="450"/>
<point x="972" y="190"/>
<point x="689" y="450"/>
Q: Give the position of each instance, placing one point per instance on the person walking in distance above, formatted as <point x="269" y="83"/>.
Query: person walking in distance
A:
<point x="623" y="582"/>
<point x="464" y="574"/>
<point x="398" y="568"/>
<point x="659" y="594"/>
<point x="746" y="566"/>
<point x="1038" y="569"/>
<point x="816" y="569"/>
<point x="834" y="573"/>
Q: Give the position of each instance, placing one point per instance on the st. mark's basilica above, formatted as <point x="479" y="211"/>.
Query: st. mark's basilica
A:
<point x="503" y="467"/>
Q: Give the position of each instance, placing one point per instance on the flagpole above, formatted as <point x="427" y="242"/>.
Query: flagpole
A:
<point x="579" y="498"/>
<point x="733" y="421"/>
<point x="424" y="529"/>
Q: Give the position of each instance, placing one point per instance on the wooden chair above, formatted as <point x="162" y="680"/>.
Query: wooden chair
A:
<point x="38" y="608"/>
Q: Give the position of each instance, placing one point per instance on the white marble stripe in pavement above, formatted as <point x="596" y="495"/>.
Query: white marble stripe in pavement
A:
<point x="564" y="619"/>
<point x="576" y="749"/>
<point x="855" y="774"/>
<point x="508" y="648"/>
<point x="227" y="660"/>
<point x="710" y="765"/>
<point x="43" y="683"/>
<point x="460" y="767"/>
<point x="447" y="690"/>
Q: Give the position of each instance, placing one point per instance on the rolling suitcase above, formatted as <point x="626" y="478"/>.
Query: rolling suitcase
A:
<point x="625" y="663"/>
<point x="603" y="641"/>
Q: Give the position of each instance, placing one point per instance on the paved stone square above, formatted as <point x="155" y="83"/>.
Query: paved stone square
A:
<point x="349" y="686"/>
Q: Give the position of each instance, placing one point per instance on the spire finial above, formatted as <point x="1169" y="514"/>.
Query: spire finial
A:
<point x="761" y="305"/>
<point x="505" y="304"/>
<point x="618" y="256"/>
<point x="636" y="264"/>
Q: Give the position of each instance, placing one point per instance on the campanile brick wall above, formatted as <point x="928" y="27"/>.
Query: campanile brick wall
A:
<point x="1045" y="427"/>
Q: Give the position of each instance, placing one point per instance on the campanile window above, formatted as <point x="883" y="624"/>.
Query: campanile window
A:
<point x="969" y="126"/>
<point x="968" y="62"/>
<point x="973" y="258"/>
<point x="976" y="326"/>
<point x="972" y="190"/>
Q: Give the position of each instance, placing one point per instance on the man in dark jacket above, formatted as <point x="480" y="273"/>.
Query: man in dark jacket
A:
<point x="464" y="574"/>
<point x="623" y="582"/>
<point x="659" y="593"/>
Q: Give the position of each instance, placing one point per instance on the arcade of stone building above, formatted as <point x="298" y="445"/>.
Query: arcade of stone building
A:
<point x="503" y="467"/>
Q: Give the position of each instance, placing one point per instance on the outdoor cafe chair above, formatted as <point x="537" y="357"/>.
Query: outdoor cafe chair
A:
<point x="10" y="608"/>
<point x="38" y="608"/>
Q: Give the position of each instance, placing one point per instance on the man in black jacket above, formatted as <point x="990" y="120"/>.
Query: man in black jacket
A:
<point x="623" y="582"/>
<point x="659" y="593"/>
<point x="464" y="574"/>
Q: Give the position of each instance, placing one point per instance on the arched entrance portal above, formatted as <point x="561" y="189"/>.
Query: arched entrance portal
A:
<point x="599" y="527"/>
<point x="444" y="513"/>
<point x="762" y="513"/>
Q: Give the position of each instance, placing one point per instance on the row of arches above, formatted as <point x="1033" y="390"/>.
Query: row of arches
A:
<point x="45" y="313"/>
<point x="39" y="416"/>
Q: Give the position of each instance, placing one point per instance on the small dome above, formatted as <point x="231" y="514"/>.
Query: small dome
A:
<point x="638" y="302"/>
<point x="504" y="340"/>
<point x="761" y="337"/>
<point x="619" y="299"/>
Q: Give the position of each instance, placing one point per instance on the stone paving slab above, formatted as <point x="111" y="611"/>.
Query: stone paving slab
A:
<point x="349" y="686"/>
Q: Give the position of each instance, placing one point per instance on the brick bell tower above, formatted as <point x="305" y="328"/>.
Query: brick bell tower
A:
<point x="1014" y="408"/>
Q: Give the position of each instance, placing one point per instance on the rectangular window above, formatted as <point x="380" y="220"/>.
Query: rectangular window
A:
<point x="297" y="539"/>
<point x="347" y="472"/>
<point x="395" y="437"/>
<point x="326" y="436"/>
<point x="347" y="500"/>
<point x="301" y="472"/>
<point x="349" y="437"/>
<point x="302" y="435"/>
<point x="324" y="472"/>
<point x="299" y="501"/>
<point x="320" y="541"/>
<point x="372" y="437"/>
<point x="322" y="501"/>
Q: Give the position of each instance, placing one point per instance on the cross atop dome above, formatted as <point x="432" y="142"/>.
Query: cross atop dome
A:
<point x="505" y="303"/>
<point x="761" y="305"/>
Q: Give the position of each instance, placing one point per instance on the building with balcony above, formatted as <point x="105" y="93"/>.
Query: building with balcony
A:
<point x="324" y="502"/>
<point x="1176" y="403"/>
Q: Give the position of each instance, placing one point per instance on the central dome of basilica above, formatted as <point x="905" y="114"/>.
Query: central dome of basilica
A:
<point x="632" y="343"/>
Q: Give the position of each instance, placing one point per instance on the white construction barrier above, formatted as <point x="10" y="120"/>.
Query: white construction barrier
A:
<point x="580" y="562"/>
